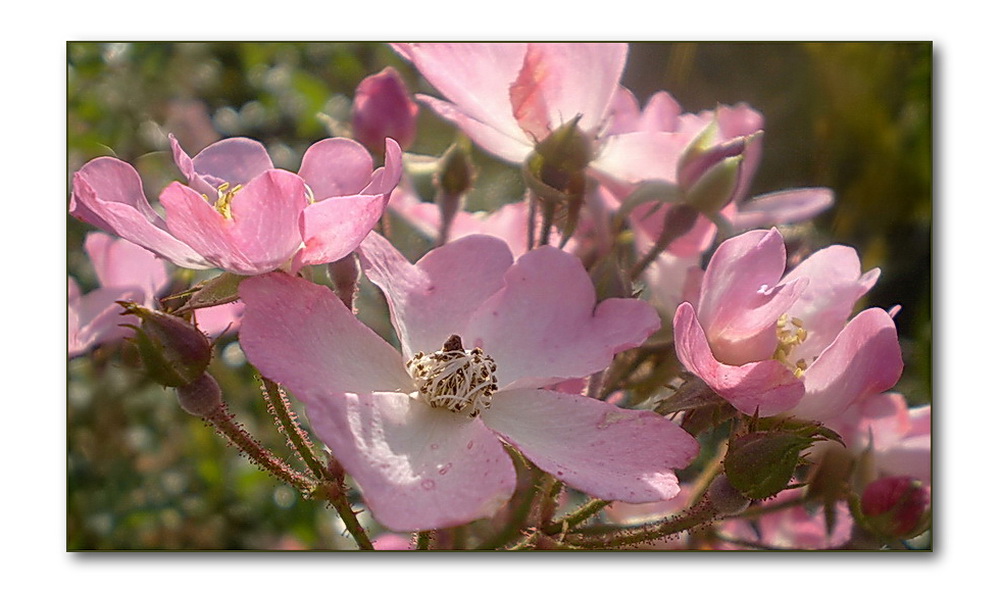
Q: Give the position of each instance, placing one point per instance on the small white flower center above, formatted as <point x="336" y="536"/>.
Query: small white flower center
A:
<point x="791" y="334"/>
<point x="453" y="378"/>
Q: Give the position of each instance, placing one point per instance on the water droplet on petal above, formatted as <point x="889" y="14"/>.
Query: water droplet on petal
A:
<point x="469" y="445"/>
<point x="434" y="446"/>
<point x="428" y="484"/>
<point x="444" y="469"/>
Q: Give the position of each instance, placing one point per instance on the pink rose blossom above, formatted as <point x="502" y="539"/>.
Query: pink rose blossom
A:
<point x="773" y="343"/>
<point x="238" y="212"/>
<point x="482" y="338"/>
<point x="125" y="272"/>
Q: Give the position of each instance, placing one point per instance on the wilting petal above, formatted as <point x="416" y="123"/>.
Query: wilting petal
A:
<point x="336" y="167"/>
<point x="302" y="336"/>
<point x="741" y="298"/>
<point x="603" y="450"/>
<point x="541" y="327"/>
<point x="864" y="359"/>
<point x="434" y="298"/>
<point x="107" y="193"/>
<point x="232" y="160"/>
<point x="765" y="387"/>
<point x="777" y="208"/>
<point x="418" y="468"/>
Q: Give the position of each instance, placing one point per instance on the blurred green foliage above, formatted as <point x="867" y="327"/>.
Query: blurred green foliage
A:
<point x="141" y="474"/>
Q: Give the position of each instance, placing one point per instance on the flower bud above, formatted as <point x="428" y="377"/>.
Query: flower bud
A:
<point x="725" y="498"/>
<point x="454" y="178"/>
<point x="202" y="397"/>
<point x="383" y="108"/>
<point x="173" y="350"/>
<point x="709" y="173"/>
<point x="761" y="464"/>
<point x="896" y="507"/>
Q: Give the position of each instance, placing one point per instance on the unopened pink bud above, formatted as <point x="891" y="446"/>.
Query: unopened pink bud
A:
<point x="383" y="108"/>
<point x="896" y="506"/>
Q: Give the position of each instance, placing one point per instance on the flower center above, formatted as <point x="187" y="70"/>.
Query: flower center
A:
<point x="222" y="203"/>
<point x="461" y="381"/>
<point x="791" y="334"/>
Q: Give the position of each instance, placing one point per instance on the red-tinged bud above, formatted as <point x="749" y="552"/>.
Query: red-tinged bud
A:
<point x="173" y="350"/>
<point x="383" y="108"/>
<point x="896" y="507"/>
<point x="726" y="498"/>
<point x="202" y="397"/>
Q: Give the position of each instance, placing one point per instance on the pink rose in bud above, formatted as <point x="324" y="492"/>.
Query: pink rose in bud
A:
<point x="897" y="438"/>
<point x="125" y="272"/>
<point x="770" y="342"/>
<point x="896" y="506"/>
<point x="422" y="432"/>
<point x="800" y="527"/>
<point x="384" y="109"/>
<point x="238" y="212"/>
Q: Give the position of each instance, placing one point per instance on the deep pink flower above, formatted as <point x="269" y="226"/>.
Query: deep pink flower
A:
<point x="238" y="212"/>
<point x="383" y="108"/>
<point x="125" y="272"/>
<point x="771" y="343"/>
<point x="421" y="432"/>
<point x="896" y="505"/>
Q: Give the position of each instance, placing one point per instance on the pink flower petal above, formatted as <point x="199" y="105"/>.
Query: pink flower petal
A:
<point x="120" y="263"/>
<point x="233" y="160"/>
<point x="95" y="318"/>
<point x="434" y="298"/>
<point x="510" y="145"/>
<point x="107" y="193"/>
<point x="418" y="468"/>
<point x="766" y="387"/>
<point x="302" y="336"/>
<point x="864" y="359"/>
<point x="603" y="450"/>
<point x="262" y="234"/>
<point x="639" y="156"/>
<point x="336" y="167"/>
<point x="741" y="298"/>
<point x="336" y="226"/>
<point x="788" y="206"/>
<point x="542" y="327"/>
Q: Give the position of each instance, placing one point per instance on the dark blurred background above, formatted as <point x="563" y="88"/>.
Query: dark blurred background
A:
<point x="855" y="117"/>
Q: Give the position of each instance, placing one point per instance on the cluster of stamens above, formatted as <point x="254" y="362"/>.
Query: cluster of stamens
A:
<point x="453" y="378"/>
<point x="225" y="199"/>
<point x="790" y="335"/>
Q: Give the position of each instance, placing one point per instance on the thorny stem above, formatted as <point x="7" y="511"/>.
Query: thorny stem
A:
<point x="423" y="541"/>
<point x="279" y="407"/>
<point x="225" y="423"/>
<point x="698" y="514"/>
<point x="336" y="495"/>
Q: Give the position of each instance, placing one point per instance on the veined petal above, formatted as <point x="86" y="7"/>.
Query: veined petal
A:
<point x="603" y="450"/>
<point x="266" y="216"/>
<point x="418" y="468"/>
<point x="336" y="226"/>
<point x="864" y="359"/>
<point x="336" y="167"/>
<point x="434" y="298"/>
<point x="765" y="387"/>
<point x="542" y="327"/>
<point x="302" y="336"/>
<point x="107" y="193"/>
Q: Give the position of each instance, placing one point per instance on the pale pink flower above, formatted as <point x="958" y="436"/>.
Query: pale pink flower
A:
<point x="125" y="272"/>
<point x="238" y="212"/>
<point x="422" y="432"/>
<point x="772" y="343"/>
<point x="383" y="109"/>
<point x="897" y="438"/>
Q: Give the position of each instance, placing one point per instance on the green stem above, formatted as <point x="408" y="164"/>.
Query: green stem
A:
<point x="335" y="494"/>
<point x="699" y="514"/>
<point x="279" y="407"/>
<point x="574" y="519"/>
<point x="423" y="541"/>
